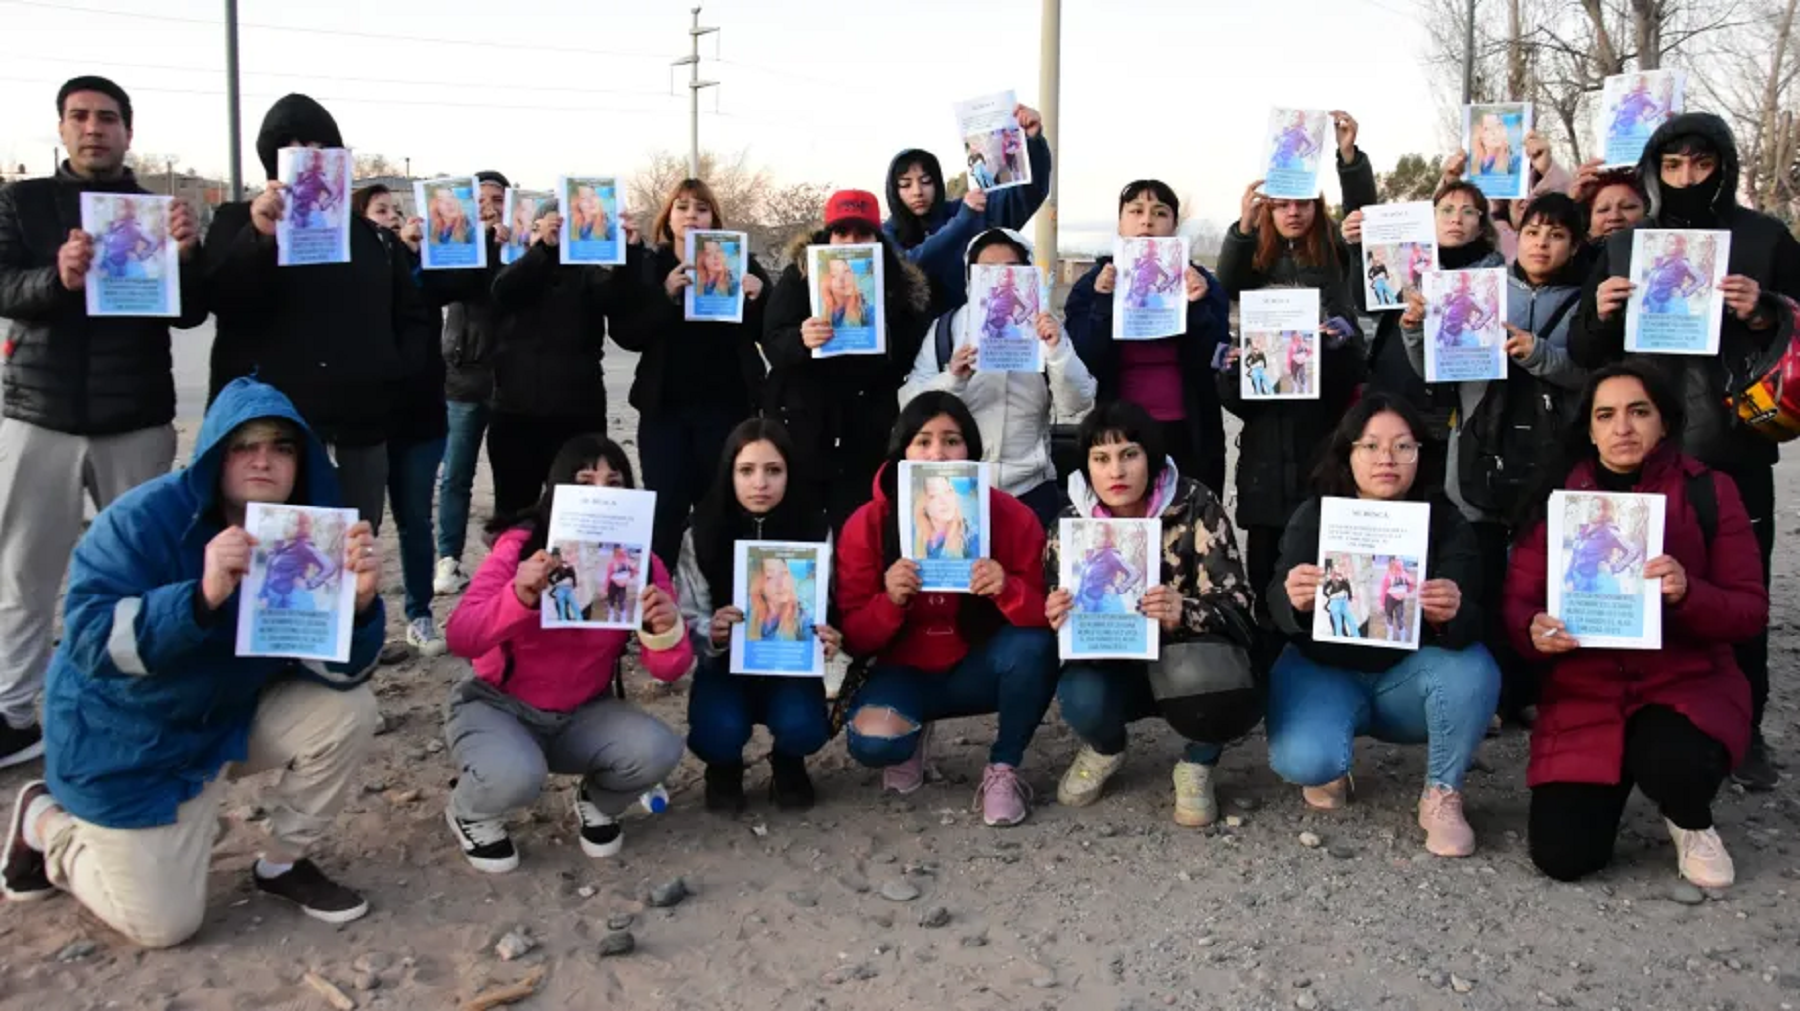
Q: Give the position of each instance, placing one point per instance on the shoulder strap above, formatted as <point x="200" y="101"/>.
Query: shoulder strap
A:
<point x="1563" y="310"/>
<point x="945" y="340"/>
<point x="1703" y="495"/>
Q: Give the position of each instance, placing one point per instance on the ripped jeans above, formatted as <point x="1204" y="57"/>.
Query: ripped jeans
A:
<point x="1012" y="674"/>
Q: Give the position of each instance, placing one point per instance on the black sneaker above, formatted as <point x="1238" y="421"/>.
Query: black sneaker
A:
<point x="22" y="874"/>
<point x="789" y="785"/>
<point x="486" y="844"/>
<point x="725" y="788"/>
<point x="1756" y="774"/>
<point x="19" y="745"/>
<point x="317" y="895"/>
<point x="601" y="836"/>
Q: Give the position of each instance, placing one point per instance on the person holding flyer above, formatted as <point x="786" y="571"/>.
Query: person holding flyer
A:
<point x="88" y="399"/>
<point x="549" y="336"/>
<point x="1170" y="377"/>
<point x="1496" y="444"/>
<point x="468" y="352"/>
<point x="1292" y="244"/>
<point x="1323" y="695"/>
<point x="1203" y="596"/>
<point x="1674" y="721"/>
<point x="933" y="232"/>
<point x="342" y="340"/>
<point x="754" y="497"/>
<point x="1614" y="199"/>
<point x="1014" y="409"/>
<point x="1690" y="169"/>
<point x="538" y="700"/>
<point x="839" y="410"/>
<point x="695" y="380"/>
<point x="932" y="656"/>
<point x="128" y="819"/>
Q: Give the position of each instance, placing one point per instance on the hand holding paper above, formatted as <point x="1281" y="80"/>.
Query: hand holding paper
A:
<point x="986" y="578"/>
<point x="1057" y="607"/>
<point x="1163" y="605"/>
<point x="902" y="581"/>
<point x="722" y="620"/>
<point x="1302" y="586"/>
<point x="74" y="259"/>
<point x="226" y="563"/>
<point x="659" y="610"/>
<point x="1741" y="294"/>
<point x="1440" y="600"/>
<point x="1673" y="576"/>
<point x="362" y="556"/>
<point x="1611" y="296"/>
<point x="184" y="229"/>
<point x="532" y="578"/>
<point x="267" y="208"/>
<point x="1106" y="279"/>
<point x="815" y="333"/>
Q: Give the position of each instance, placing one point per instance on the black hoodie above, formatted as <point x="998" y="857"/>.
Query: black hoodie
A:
<point x="340" y="338"/>
<point x="1762" y="249"/>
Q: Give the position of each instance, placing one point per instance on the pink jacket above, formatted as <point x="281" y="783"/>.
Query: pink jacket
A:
<point x="557" y="670"/>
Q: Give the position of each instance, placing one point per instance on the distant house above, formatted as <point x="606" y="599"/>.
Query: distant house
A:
<point x="1070" y="268"/>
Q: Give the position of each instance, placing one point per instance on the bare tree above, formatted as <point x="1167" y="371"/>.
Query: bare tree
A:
<point x="1759" y="65"/>
<point x="750" y="200"/>
<point x="369" y="164"/>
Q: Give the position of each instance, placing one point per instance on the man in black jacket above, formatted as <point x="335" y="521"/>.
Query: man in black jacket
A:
<point x="468" y="381"/>
<point x="1690" y="168"/>
<point x="339" y="339"/>
<point x="89" y="401"/>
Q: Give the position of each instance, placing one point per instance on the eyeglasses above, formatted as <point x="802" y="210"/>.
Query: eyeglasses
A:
<point x="1401" y="452"/>
<point x="1458" y="211"/>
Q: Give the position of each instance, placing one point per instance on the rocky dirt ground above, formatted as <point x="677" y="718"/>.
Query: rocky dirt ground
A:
<point x="876" y="902"/>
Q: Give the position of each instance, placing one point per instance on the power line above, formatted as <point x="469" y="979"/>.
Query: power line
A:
<point x="339" y="32"/>
<point x="483" y="84"/>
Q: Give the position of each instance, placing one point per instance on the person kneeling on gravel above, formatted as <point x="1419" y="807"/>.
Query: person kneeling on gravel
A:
<point x="147" y="701"/>
<point x="933" y="655"/>
<point x="1201" y="683"/>
<point x="538" y="702"/>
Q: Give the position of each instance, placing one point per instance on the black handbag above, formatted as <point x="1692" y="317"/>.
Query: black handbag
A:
<point x="1207" y="689"/>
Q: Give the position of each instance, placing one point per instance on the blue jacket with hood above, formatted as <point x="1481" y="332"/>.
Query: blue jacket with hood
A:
<point x="145" y="702"/>
<point x="950" y="225"/>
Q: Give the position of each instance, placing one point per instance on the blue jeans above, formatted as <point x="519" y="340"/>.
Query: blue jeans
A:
<point x="1012" y="674"/>
<point x="1438" y="697"/>
<point x="1099" y="698"/>
<point x="680" y="451"/>
<point x="724" y="707"/>
<point x="412" y="473"/>
<point x="468" y="423"/>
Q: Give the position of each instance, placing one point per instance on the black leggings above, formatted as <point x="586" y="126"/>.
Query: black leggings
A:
<point x="521" y="448"/>
<point x="1573" y="825"/>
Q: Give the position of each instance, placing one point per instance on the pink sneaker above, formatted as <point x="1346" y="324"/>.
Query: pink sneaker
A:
<point x="1003" y="797"/>
<point x="909" y="775"/>
<point x="1447" y="832"/>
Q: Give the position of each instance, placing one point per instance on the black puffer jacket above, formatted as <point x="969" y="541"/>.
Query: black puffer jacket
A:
<point x="1762" y="249"/>
<point x="687" y="363"/>
<point x="64" y="370"/>
<point x="466" y="298"/>
<point x="340" y="339"/>
<point x="550" y="334"/>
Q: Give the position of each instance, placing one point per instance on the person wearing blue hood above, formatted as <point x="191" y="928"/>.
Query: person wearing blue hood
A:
<point x="932" y="232"/>
<point x="1690" y="171"/>
<point x="149" y="710"/>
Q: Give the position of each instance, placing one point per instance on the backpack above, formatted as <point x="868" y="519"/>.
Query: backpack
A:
<point x="1703" y="495"/>
<point x="1503" y="440"/>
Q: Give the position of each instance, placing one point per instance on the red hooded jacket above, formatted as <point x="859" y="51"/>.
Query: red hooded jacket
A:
<point x="1589" y="693"/>
<point x="924" y="634"/>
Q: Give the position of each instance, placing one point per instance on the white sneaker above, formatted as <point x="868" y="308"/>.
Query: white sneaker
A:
<point x="449" y="579"/>
<point x="486" y="844"/>
<point x="423" y="635"/>
<point x="1195" y="805"/>
<point x="600" y="835"/>
<point x="1701" y="857"/>
<point x="1086" y="778"/>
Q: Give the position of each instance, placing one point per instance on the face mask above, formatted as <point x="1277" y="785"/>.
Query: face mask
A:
<point x="1693" y="205"/>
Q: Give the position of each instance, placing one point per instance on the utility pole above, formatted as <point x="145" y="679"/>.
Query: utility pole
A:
<point x="233" y="110"/>
<point x="169" y="176"/>
<point x="692" y="62"/>
<point x="1049" y="88"/>
<point x="1469" y="56"/>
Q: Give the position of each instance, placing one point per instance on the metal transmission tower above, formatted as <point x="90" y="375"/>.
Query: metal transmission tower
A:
<point x="692" y="62"/>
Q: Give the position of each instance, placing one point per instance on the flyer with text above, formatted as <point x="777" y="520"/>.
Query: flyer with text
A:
<point x="1373" y="555"/>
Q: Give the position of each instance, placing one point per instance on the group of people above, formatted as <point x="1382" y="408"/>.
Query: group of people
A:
<point x="331" y="386"/>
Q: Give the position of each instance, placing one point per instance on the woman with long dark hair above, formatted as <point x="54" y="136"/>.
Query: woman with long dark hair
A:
<point x="1673" y="721"/>
<point x="537" y="701"/>
<point x="1323" y="695"/>
<point x="934" y="656"/>
<point x="755" y="496"/>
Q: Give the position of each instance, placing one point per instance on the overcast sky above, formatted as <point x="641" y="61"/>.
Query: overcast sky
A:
<point x="827" y="92"/>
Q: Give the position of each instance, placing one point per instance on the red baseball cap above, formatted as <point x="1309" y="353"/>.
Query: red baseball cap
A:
<point x="853" y="207"/>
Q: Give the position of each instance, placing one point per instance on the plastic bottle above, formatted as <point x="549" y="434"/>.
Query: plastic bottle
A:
<point x="655" y="800"/>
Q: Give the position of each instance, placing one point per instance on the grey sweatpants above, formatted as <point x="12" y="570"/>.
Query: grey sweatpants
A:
<point x="44" y="478"/>
<point x="504" y="749"/>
